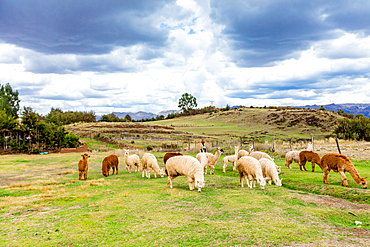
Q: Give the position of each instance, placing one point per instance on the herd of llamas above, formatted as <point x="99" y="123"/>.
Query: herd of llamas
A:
<point x="253" y="166"/>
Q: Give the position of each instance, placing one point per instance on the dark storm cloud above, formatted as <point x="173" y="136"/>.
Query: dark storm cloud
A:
<point x="80" y="27"/>
<point x="262" y="31"/>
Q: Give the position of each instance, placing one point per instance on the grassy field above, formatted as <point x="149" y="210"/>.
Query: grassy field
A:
<point x="42" y="203"/>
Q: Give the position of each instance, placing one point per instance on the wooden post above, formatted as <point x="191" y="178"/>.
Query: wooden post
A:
<point x="241" y="143"/>
<point x="229" y="143"/>
<point x="253" y="143"/>
<point x="189" y="145"/>
<point x="273" y="145"/>
<point x="336" y="140"/>
<point x="312" y="142"/>
<point x="290" y="143"/>
<point x="216" y="144"/>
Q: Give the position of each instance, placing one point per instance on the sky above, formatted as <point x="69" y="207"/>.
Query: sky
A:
<point x="128" y="56"/>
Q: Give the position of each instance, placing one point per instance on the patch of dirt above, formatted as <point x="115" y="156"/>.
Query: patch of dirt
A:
<point x="331" y="202"/>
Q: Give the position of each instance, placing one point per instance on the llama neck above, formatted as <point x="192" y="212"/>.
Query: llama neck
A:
<point x="354" y="174"/>
<point x="216" y="156"/>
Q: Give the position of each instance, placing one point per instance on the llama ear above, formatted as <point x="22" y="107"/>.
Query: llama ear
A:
<point x="282" y="179"/>
<point x="365" y="177"/>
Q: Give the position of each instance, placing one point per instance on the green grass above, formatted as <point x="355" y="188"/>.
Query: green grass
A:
<point x="42" y="203"/>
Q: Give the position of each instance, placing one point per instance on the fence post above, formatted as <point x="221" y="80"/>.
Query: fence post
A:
<point x="253" y="143"/>
<point x="217" y="144"/>
<point x="290" y="143"/>
<point x="336" y="140"/>
<point x="241" y="142"/>
<point x="189" y="145"/>
<point x="273" y="145"/>
<point x="229" y="142"/>
<point x="312" y="142"/>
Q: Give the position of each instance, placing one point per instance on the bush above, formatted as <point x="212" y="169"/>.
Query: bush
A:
<point x="149" y="148"/>
<point x="353" y="129"/>
<point x="71" y="141"/>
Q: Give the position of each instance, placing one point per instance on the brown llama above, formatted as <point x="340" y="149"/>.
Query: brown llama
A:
<point x="110" y="161"/>
<point x="341" y="164"/>
<point x="83" y="167"/>
<point x="308" y="156"/>
<point x="167" y="156"/>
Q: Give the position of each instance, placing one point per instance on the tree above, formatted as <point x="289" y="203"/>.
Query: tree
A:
<point x="322" y="108"/>
<point x="30" y="118"/>
<point x="9" y="101"/>
<point x="187" y="102"/>
<point x="111" y="118"/>
<point x="128" y="118"/>
<point x="55" y="116"/>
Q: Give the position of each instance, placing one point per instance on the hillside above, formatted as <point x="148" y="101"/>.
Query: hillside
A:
<point x="262" y="124"/>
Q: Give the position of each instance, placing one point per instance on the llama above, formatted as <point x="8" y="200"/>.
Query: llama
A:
<point x="202" y="158"/>
<point x="308" y="156"/>
<point x="269" y="171"/>
<point x="132" y="160"/>
<point x="232" y="159"/>
<point x="290" y="157"/>
<point x="110" y="161"/>
<point x="250" y="169"/>
<point x="294" y="156"/>
<point x="150" y="162"/>
<point x="341" y="164"/>
<point x="83" y="167"/>
<point x="242" y="153"/>
<point x="212" y="159"/>
<point x="260" y="155"/>
<point x="186" y="166"/>
<point x="167" y="156"/>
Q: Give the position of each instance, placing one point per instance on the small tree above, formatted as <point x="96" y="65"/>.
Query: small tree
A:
<point x="187" y="102"/>
<point x="9" y="100"/>
<point x="128" y="118"/>
<point x="322" y="108"/>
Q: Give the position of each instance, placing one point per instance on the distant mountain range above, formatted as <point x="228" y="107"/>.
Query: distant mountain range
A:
<point x="353" y="108"/>
<point x="142" y="115"/>
<point x="135" y="115"/>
